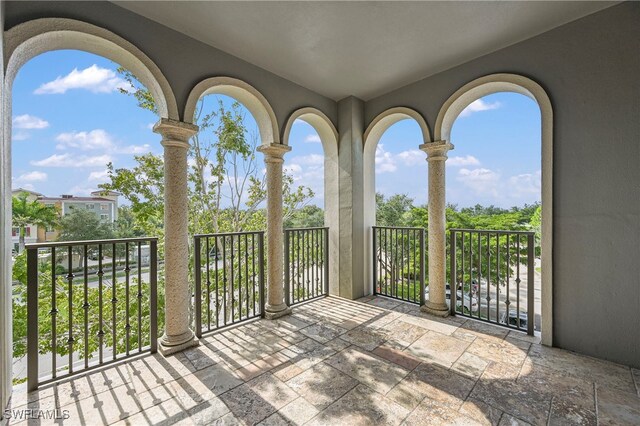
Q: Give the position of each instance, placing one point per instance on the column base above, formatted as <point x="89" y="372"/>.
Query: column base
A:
<point x="273" y="312"/>
<point x="437" y="309"/>
<point x="169" y="345"/>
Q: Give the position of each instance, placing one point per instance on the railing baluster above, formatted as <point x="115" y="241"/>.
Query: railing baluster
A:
<point x="197" y="252"/>
<point x="100" y="305"/>
<point x="85" y="306"/>
<point x="114" y="300"/>
<point x="326" y="261"/>
<point x="498" y="279"/>
<point x="127" y="270"/>
<point x="32" y="319"/>
<point x="139" y="295"/>
<point x="287" y="268"/>
<point x="530" y="284"/>
<point x="261" y="271"/>
<point x="217" y="245"/>
<point x="70" y="276"/>
<point x="518" y="280"/>
<point x="54" y="309"/>
<point x="246" y="272"/>
<point x="153" y="295"/>
<point x="452" y="272"/>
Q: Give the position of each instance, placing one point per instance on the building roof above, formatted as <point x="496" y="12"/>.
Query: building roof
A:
<point x="76" y="199"/>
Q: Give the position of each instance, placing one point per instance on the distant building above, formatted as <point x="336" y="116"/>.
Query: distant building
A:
<point x="104" y="204"/>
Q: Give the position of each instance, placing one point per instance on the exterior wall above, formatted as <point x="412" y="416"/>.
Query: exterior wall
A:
<point x="590" y="69"/>
<point x="6" y="342"/>
<point x="68" y="206"/>
<point x="183" y="60"/>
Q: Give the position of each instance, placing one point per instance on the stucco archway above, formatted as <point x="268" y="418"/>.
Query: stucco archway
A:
<point x="329" y="139"/>
<point x="372" y="136"/>
<point x="517" y="84"/>
<point x="21" y="44"/>
<point x="244" y="93"/>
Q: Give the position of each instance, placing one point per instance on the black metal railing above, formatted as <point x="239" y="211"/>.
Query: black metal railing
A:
<point x="306" y="264"/>
<point x="488" y="269"/>
<point x="229" y="279"/>
<point x="89" y="303"/>
<point x="399" y="263"/>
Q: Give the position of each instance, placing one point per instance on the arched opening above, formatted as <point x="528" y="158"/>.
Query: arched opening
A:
<point x="244" y="93"/>
<point x="81" y="137"/>
<point x="497" y="83"/>
<point x="315" y="129"/>
<point x="374" y="153"/>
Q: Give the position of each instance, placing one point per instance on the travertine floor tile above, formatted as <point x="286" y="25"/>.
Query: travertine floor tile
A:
<point x="440" y="384"/>
<point x="617" y="408"/>
<point x="481" y="412"/>
<point x="376" y="373"/>
<point x="518" y="400"/>
<point x="432" y="413"/>
<point x="321" y="385"/>
<point x="339" y="362"/>
<point x="436" y="347"/>
<point x="361" y="407"/>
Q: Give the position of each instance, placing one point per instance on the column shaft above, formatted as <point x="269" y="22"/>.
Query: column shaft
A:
<point x="436" y="157"/>
<point x="175" y="140"/>
<point x="276" y="305"/>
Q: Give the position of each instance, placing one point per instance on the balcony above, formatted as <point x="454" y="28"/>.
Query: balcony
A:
<point x="339" y="325"/>
<point x="335" y="361"/>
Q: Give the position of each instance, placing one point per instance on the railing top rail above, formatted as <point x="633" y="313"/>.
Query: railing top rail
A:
<point x="398" y="227"/>
<point x="311" y="228"/>
<point x="227" y="234"/>
<point x="494" y="231"/>
<point x="90" y="242"/>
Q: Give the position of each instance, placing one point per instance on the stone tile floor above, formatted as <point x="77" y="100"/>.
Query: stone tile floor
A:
<point x="340" y="362"/>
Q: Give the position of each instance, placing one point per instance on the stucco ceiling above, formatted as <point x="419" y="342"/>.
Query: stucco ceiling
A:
<point x="360" y="48"/>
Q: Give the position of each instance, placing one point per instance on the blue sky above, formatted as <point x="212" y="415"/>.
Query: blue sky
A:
<point x="70" y="119"/>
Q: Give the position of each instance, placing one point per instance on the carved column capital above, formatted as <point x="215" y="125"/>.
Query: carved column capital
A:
<point x="175" y="133"/>
<point x="436" y="150"/>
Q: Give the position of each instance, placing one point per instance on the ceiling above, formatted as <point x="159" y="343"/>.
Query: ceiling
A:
<point x="363" y="49"/>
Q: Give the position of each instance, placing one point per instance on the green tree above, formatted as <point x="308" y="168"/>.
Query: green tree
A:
<point x="307" y="217"/>
<point x="28" y="213"/>
<point x="83" y="225"/>
<point x="393" y="211"/>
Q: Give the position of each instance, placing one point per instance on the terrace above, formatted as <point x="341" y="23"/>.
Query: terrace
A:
<point x="349" y="323"/>
<point x="334" y="361"/>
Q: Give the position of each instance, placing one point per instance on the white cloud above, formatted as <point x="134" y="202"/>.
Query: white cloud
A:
<point x="20" y="136"/>
<point x="34" y="176"/>
<point x="134" y="149"/>
<point x="99" y="176"/>
<point x="468" y="160"/>
<point x="412" y="157"/>
<point x="85" y="141"/>
<point x="97" y="139"/>
<point x="81" y="190"/>
<point x="94" y="79"/>
<point x="384" y="161"/>
<point x="26" y="121"/>
<point x="68" y="160"/>
<point x="482" y="181"/>
<point x="309" y="160"/>
<point x="150" y="126"/>
<point x="477" y="106"/>
<point x="313" y="138"/>
<point x="525" y="185"/>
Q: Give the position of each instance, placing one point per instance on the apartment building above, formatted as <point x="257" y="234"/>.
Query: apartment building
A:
<point x="104" y="204"/>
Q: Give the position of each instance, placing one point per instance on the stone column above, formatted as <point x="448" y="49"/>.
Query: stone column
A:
<point x="436" y="157"/>
<point x="175" y="140"/>
<point x="273" y="158"/>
